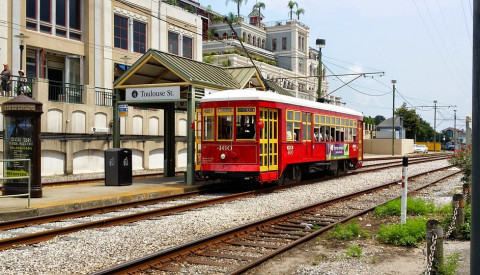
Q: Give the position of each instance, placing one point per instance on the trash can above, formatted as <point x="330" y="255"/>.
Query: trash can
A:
<point x="118" y="166"/>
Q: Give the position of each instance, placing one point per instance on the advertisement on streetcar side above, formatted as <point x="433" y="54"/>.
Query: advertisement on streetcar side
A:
<point x="337" y="151"/>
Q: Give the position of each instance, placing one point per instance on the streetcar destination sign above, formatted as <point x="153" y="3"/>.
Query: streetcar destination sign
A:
<point x="152" y="93"/>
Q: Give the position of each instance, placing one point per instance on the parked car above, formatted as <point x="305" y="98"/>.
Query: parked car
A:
<point x="417" y="148"/>
<point x="451" y="147"/>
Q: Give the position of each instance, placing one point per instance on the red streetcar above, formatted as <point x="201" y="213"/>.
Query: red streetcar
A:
<point x="267" y="137"/>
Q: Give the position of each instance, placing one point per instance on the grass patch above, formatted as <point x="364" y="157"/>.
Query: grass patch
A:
<point x="354" y="251"/>
<point x="450" y="265"/>
<point x="410" y="233"/>
<point x="415" y="206"/>
<point x="346" y="232"/>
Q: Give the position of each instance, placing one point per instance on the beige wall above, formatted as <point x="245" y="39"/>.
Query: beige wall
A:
<point x="384" y="146"/>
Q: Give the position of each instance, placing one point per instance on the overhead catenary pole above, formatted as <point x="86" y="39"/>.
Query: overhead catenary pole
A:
<point x="393" y="118"/>
<point x="320" y="43"/>
<point x="455" y="128"/>
<point x="474" y="237"/>
<point x="435" y="127"/>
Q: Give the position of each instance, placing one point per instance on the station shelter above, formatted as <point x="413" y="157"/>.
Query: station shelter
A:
<point x="165" y="81"/>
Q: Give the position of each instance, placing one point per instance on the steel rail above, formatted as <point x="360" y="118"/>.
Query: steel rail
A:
<point x="157" y="260"/>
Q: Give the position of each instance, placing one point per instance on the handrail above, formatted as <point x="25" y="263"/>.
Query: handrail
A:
<point x="19" y="177"/>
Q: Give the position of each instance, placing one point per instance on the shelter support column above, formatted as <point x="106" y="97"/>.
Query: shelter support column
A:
<point x="116" y="119"/>
<point x="190" y="137"/>
<point x="169" y="140"/>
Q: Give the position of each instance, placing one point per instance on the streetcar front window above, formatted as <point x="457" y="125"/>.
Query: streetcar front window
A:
<point x="225" y="123"/>
<point x="245" y="123"/>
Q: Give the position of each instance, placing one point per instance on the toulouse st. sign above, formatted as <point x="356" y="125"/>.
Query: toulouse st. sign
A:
<point x="152" y="93"/>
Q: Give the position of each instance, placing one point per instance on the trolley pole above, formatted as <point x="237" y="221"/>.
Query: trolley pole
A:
<point x="403" y="214"/>
<point x="475" y="235"/>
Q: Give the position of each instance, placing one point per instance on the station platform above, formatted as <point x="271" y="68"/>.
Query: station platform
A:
<point x="56" y="199"/>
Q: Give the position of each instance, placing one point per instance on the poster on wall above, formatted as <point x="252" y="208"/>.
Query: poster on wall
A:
<point x="18" y="145"/>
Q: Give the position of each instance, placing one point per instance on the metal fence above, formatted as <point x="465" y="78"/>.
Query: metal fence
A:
<point x="18" y="85"/>
<point x="19" y="177"/>
<point x="103" y="97"/>
<point x="65" y="92"/>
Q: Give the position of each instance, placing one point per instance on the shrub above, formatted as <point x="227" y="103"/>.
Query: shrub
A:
<point x="450" y="265"/>
<point x="415" y="206"/>
<point x="354" y="251"/>
<point x="349" y="231"/>
<point x="462" y="158"/>
<point x="466" y="227"/>
<point x="408" y="234"/>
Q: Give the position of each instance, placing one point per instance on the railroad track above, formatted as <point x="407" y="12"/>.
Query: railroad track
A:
<point x="236" y="250"/>
<point x="50" y="226"/>
<point x="399" y="161"/>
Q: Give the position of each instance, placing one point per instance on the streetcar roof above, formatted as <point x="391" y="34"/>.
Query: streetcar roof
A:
<point x="251" y="94"/>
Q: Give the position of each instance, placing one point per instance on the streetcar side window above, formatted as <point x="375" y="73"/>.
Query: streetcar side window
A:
<point x="317" y="134"/>
<point x="293" y="125"/>
<point x="208" y="124"/>
<point x="225" y="123"/>
<point x="245" y="123"/>
<point x="307" y="126"/>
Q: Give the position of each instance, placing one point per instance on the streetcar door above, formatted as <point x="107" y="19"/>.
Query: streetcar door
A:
<point x="198" y="138"/>
<point x="269" y="140"/>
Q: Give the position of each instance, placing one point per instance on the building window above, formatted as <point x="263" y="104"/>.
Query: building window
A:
<point x="55" y="22"/>
<point x="120" y="35"/>
<point x="187" y="47"/>
<point x="284" y="43"/>
<point x="173" y="43"/>
<point x="274" y="44"/>
<point x="139" y="37"/>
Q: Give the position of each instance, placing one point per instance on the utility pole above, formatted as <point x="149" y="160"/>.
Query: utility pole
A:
<point x="455" y="128"/>
<point x="435" y="127"/>
<point x="435" y="107"/>
<point x="475" y="240"/>
<point x="393" y="118"/>
<point x="320" y="43"/>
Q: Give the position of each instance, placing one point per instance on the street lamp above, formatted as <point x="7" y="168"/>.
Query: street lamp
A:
<point x="21" y="37"/>
<point x="320" y="43"/>
<point x="393" y="119"/>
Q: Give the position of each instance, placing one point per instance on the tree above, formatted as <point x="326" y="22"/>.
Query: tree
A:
<point x="415" y="127"/>
<point x="291" y="5"/>
<point x="379" y="119"/>
<point x="298" y="12"/>
<point x="258" y="6"/>
<point x="231" y="18"/>
<point x="238" y="2"/>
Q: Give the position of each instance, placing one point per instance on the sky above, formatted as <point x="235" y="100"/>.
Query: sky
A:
<point x="425" y="45"/>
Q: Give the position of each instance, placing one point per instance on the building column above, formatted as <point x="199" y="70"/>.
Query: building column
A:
<point x="190" y="137"/>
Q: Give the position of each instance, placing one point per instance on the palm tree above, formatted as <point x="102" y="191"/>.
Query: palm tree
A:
<point x="259" y="6"/>
<point x="231" y="18"/>
<point x="238" y="2"/>
<point x="291" y="5"/>
<point x="298" y="12"/>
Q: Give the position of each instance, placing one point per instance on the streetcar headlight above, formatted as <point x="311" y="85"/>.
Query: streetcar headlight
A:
<point x="223" y="156"/>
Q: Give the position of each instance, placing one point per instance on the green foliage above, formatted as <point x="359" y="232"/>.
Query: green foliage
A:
<point x="466" y="227"/>
<point x="217" y="18"/>
<point x="462" y="158"/>
<point x="208" y="59"/>
<point x="349" y="231"/>
<point x="408" y="234"/>
<point x="450" y="265"/>
<point x="379" y="119"/>
<point x="369" y="120"/>
<point x="226" y="63"/>
<point x="415" y="206"/>
<point x="415" y="127"/>
<point x="171" y="2"/>
<point x="354" y="251"/>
